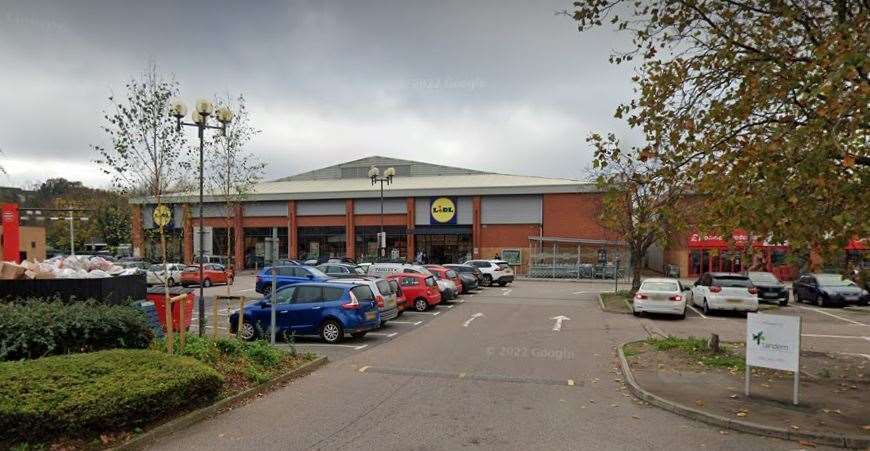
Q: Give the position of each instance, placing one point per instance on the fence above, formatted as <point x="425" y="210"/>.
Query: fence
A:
<point x="568" y="258"/>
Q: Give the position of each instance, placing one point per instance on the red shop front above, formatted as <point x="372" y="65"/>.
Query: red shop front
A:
<point x="711" y="253"/>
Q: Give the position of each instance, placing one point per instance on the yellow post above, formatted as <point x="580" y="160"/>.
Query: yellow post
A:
<point x="182" y="298"/>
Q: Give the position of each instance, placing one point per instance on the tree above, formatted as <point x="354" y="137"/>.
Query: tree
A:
<point x="232" y="170"/>
<point x="762" y="105"/>
<point x="638" y="202"/>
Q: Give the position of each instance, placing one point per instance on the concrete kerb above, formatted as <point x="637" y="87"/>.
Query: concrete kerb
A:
<point x="165" y="429"/>
<point x="604" y="309"/>
<point x="844" y="441"/>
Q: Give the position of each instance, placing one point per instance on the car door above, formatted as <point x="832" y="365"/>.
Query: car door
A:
<point x="812" y="289"/>
<point x="306" y="309"/>
<point x="283" y="305"/>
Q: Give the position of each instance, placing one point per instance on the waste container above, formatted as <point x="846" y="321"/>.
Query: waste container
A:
<point x="157" y="295"/>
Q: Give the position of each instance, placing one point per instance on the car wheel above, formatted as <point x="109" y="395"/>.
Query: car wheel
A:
<point x="358" y="334"/>
<point x="706" y="307"/>
<point x="331" y="331"/>
<point x="783" y="302"/>
<point x="171" y="282"/>
<point x="421" y="305"/>
<point x="248" y="332"/>
<point x="820" y="301"/>
<point x="206" y="283"/>
<point x="487" y="280"/>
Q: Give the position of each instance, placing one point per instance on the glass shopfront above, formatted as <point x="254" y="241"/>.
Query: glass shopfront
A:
<point x="443" y="245"/>
<point x="263" y="245"/>
<point x="315" y="242"/>
<point x="366" y="243"/>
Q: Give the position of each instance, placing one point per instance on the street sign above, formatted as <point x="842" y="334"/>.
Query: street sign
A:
<point x="773" y="341"/>
<point x="162" y="215"/>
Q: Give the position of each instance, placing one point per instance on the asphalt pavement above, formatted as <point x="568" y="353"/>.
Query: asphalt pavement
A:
<point x="529" y="366"/>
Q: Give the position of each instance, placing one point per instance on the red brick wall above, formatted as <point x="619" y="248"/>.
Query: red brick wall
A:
<point x="574" y="216"/>
<point x="320" y="221"/>
<point x="496" y="237"/>
<point x="264" y="221"/>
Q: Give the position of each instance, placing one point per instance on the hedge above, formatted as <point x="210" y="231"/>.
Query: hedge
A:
<point x="36" y="329"/>
<point x="83" y="394"/>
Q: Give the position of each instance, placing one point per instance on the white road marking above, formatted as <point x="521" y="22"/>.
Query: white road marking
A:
<point x="585" y="292"/>
<point x="558" y="326"/>
<point x="413" y="323"/>
<point x="384" y="334"/>
<point x="833" y="316"/>
<point x="448" y="307"/>
<point x="363" y="369"/>
<point x="857" y="337"/>
<point x="506" y="293"/>
<point x="473" y="317"/>
<point x="357" y="347"/>
<point x="696" y="311"/>
<point x="422" y="313"/>
<point x="462" y="301"/>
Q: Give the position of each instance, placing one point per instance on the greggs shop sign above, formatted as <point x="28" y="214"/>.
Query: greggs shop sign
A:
<point x="442" y="210"/>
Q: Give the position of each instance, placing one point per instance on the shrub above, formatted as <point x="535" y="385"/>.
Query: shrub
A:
<point x="81" y="394"/>
<point x="36" y="329"/>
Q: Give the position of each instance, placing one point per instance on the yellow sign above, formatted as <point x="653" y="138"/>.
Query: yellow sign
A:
<point x="443" y="210"/>
<point x="162" y="215"/>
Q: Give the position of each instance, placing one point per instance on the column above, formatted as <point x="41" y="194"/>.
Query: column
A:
<point x="238" y="238"/>
<point x="187" y="234"/>
<point x="136" y="231"/>
<point x="349" y="232"/>
<point x="292" y="245"/>
<point x="411" y="219"/>
<point x="475" y="227"/>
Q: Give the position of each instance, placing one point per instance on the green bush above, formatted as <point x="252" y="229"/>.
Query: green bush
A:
<point x="82" y="394"/>
<point x="36" y="329"/>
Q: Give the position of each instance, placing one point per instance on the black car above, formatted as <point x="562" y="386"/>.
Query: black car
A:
<point x="829" y="289"/>
<point x="770" y="289"/>
<point x="467" y="272"/>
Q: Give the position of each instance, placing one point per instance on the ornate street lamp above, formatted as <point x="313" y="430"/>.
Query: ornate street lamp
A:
<point x="375" y="175"/>
<point x="224" y="116"/>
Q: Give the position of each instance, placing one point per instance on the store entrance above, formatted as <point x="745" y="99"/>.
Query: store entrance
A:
<point x="445" y="248"/>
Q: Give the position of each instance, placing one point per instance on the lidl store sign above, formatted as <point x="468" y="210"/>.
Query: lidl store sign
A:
<point x="442" y="211"/>
<point x="773" y="341"/>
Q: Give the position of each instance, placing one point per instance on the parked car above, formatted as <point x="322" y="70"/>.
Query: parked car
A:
<point x="382" y="269"/>
<point x="327" y="309"/>
<point x="660" y="295"/>
<point x="446" y="285"/>
<point x="384" y="296"/>
<point x="725" y="291"/>
<point x="219" y="259"/>
<point x="341" y="270"/>
<point x="420" y="289"/>
<point x="287" y="275"/>
<point x="447" y="274"/>
<point x="494" y="271"/>
<point x="401" y="300"/>
<point x="158" y="275"/>
<point x="471" y="276"/>
<point x="769" y="287"/>
<point x="140" y="265"/>
<point x="213" y="273"/>
<point x="829" y="289"/>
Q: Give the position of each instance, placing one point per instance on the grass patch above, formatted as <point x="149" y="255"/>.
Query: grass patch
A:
<point x="618" y="302"/>
<point x="698" y="350"/>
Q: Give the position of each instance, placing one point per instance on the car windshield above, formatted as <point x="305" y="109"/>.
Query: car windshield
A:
<point x="358" y="270"/>
<point x="316" y="272"/>
<point x="833" y="280"/>
<point x="763" y="277"/>
<point x="732" y="281"/>
<point x="430" y="281"/>
<point x="383" y="286"/>
<point x="451" y="274"/>
<point x="503" y="266"/>
<point x="659" y="286"/>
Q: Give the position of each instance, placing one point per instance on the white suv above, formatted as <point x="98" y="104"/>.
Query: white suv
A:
<point x="494" y="271"/>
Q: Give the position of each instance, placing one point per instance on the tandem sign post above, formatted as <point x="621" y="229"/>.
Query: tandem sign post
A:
<point x="773" y="341"/>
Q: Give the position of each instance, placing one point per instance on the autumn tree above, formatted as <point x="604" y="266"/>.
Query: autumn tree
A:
<point x="762" y="105"/>
<point x="639" y="203"/>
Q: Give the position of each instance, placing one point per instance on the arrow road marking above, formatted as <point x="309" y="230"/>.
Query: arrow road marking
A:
<point x="558" y="326"/>
<point x="473" y="317"/>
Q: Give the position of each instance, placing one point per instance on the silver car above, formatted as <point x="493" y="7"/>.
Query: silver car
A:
<point x="725" y="291"/>
<point x="660" y="295"/>
<point x="384" y="296"/>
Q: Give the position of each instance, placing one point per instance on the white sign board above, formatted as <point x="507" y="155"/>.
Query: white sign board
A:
<point x="773" y="341"/>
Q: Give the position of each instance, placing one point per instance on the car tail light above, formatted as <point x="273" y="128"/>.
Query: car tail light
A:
<point x="715" y="289"/>
<point x="676" y="298"/>
<point x="380" y="300"/>
<point x="353" y="304"/>
<point x="640" y="296"/>
<point x="753" y="290"/>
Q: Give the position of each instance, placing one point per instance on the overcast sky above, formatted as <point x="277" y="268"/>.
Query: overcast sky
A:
<point x="506" y="86"/>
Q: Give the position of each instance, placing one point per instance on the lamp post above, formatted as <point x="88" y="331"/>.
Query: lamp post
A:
<point x="71" y="217"/>
<point x="199" y="116"/>
<point x="375" y="175"/>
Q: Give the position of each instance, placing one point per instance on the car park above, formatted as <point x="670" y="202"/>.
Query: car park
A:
<point x="660" y="295"/>
<point x="384" y="296"/>
<point x="826" y="290"/>
<point x="420" y="290"/>
<point x="471" y="276"/>
<point x="725" y="291"/>
<point x="212" y="274"/>
<point x="493" y="271"/>
<point x="327" y="309"/>
<point x="341" y="270"/>
<point x="158" y="274"/>
<point x="287" y="275"/>
<point x="769" y="287"/>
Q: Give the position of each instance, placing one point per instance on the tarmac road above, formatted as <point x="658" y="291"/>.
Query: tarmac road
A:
<point x="496" y="371"/>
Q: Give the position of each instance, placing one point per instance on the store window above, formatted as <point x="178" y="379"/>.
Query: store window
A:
<point x="314" y="242"/>
<point x="263" y="245"/>
<point x="366" y="243"/>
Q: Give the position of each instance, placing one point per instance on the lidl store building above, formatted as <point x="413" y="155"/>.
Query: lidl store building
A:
<point x="450" y="214"/>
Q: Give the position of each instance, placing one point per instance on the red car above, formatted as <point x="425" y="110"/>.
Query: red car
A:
<point x="213" y="273"/>
<point x="420" y="290"/>
<point x="447" y="274"/>
<point x="401" y="300"/>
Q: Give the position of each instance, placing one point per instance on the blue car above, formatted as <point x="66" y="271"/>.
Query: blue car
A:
<point x="287" y="275"/>
<point x="329" y="310"/>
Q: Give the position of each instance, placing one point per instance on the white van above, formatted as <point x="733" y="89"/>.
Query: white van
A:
<point x="382" y="269"/>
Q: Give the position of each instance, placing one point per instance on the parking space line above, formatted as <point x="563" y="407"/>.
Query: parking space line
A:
<point x="423" y="313"/>
<point x="506" y="293"/>
<point x="857" y="337"/>
<point x="384" y="334"/>
<point x="413" y="323"/>
<point x="696" y="311"/>
<point x="834" y="316"/>
<point x="357" y="347"/>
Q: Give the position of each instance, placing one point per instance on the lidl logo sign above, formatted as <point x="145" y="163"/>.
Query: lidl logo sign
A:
<point x="443" y="211"/>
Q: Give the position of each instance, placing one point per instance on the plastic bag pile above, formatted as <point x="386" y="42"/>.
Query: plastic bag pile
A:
<point x="72" y="267"/>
